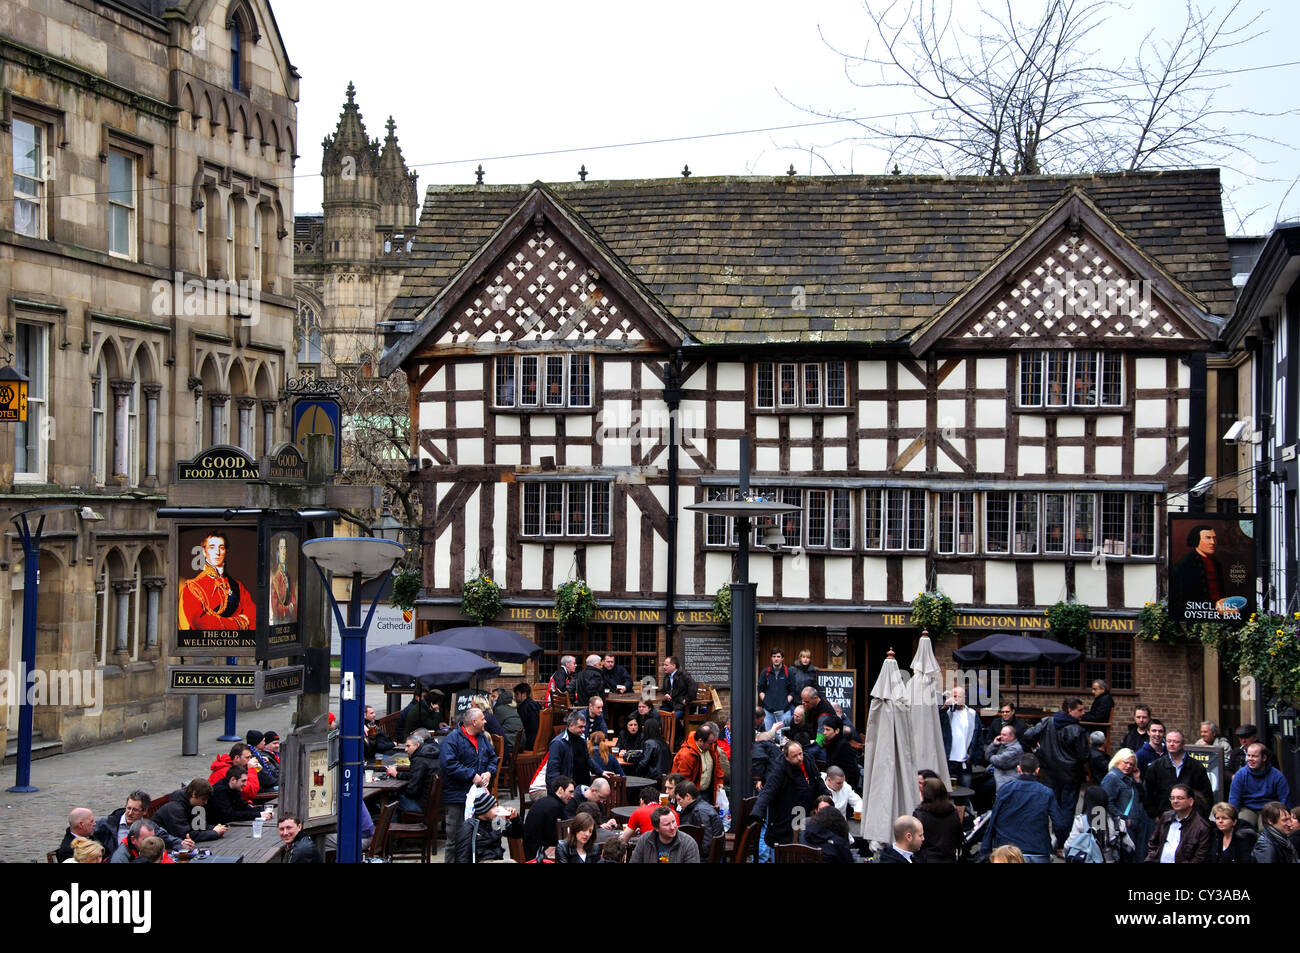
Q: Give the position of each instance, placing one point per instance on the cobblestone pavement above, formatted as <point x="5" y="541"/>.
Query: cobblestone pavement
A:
<point x="100" y="778"/>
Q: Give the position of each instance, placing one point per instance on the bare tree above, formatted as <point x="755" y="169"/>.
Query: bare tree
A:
<point x="1008" y="97"/>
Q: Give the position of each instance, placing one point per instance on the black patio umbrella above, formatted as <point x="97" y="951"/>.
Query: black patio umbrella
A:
<point x="504" y="645"/>
<point x="1008" y="649"/>
<point x="431" y="665"/>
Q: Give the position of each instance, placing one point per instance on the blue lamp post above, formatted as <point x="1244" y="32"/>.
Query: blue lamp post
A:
<point x="360" y="558"/>
<point x="31" y="541"/>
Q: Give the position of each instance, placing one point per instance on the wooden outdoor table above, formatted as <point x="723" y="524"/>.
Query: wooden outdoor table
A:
<point x="624" y="813"/>
<point x="634" y="782"/>
<point x="622" y="698"/>
<point x="383" y="789"/>
<point x="239" y="842"/>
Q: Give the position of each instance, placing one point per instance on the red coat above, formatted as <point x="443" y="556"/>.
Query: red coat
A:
<point x="213" y="600"/>
<point x="221" y="767"/>
<point x="688" y="763"/>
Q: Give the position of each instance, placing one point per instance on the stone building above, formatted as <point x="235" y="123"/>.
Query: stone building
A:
<point x="990" y="388"/>
<point x="145" y="263"/>
<point x="348" y="260"/>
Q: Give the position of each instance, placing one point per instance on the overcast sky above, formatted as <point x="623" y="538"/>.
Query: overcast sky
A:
<point x="471" y="82"/>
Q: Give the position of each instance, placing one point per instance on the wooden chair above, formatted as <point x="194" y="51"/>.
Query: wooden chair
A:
<point x="158" y="802"/>
<point x="717" y="851"/>
<point x="52" y="857"/>
<point x="701" y="710"/>
<point x="747" y="846"/>
<point x="545" y="724"/>
<point x="618" y="791"/>
<point x="669" y="725"/>
<point x="391" y="725"/>
<point x="562" y="829"/>
<point x="499" y="743"/>
<point x="516" y="845"/>
<point x="425" y="831"/>
<point x="739" y="820"/>
<point x="506" y="765"/>
<point x="525" y="767"/>
<point x="379" y="840"/>
<point x="694" y="832"/>
<point x="798" y="854"/>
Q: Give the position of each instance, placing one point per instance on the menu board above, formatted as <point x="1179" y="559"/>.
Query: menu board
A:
<point x="707" y="658"/>
<point x="837" y="687"/>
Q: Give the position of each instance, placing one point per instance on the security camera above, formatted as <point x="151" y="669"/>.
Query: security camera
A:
<point x="1202" y="486"/>
<point x="90" y="516"/>
<point x="1236" y="433"/>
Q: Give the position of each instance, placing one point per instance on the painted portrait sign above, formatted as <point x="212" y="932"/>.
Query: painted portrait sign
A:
<point x="216" y="576"/>
<point x="282" y="595"/>
<point x="1211" y="568"/>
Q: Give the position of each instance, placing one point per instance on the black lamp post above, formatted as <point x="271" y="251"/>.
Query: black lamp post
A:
<point x="744" y="623"/>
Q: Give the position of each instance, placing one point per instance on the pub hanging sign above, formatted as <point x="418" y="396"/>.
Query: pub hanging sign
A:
<point x="13" y="396"/>
<point x="218" y="463"/>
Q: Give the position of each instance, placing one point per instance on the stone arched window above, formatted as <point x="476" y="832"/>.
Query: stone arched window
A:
<point x="309" y="334"/>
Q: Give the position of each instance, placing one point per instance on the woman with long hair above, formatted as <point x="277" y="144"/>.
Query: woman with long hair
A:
<point x="654" y="753"/>
<point x="580" y="846"/>
<point x="1105" y="827"/>
<point x="600" y="751"/>
<point x="938" y="817"/>
<point x="630" y="737"/>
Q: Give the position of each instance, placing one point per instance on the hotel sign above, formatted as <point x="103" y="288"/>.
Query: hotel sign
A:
<point x="644" y="616"/>
<point x="991" y="621"/>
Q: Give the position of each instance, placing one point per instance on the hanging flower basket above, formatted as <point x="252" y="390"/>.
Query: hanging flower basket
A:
<point x="1266" y="648"/>
<point x="1068" y="622"/>
<point x="934" y="611"/>
<point x="574" y="602"/>
<point x="406" y="589"/>
<point x="480" y="599"/>
<point x="722" y="603"/>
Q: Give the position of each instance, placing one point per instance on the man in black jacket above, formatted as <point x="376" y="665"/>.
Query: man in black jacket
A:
<point x="615" y="676"/>
<point x="376" y="742"/>
<point x="836" y="750"/>
<point x="1006" y="716"/>
<point x="909" y="835"/>
<point x="589" y="683"/>
<point x="530" y="713"/>
<point x="1174" y="766"/>
<point x="227" y="802"/>
<point x="186" y="813"/>
<point x="1247" y="735"/>
<point x="1063" y="753"/>
<point x="298" y="847"/>
<point x="1136" y="736"/>
<point x="567" y="754"/>
<point x="1102" y="704"/>
<point x="81" y="823"/>
<point x="539" y="823"/>
<point x="792" y="784"/>
<point x="679" y="690"/>
<point x="423" y="751"/>
<point x="695" y="810"/>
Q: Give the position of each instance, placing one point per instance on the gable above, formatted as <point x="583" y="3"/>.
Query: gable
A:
<point x="541" y="289"/>
<point x="1075" y="290"/>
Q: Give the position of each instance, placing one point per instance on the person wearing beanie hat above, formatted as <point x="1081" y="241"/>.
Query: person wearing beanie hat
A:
<point x="268" y="765"/>
<point x="479" y="838"/>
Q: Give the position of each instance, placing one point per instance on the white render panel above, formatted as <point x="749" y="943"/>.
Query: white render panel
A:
<point x="599" y="570"/>
<point x="727" y="455"/>
<point x="633" y="547"/>
<point x="507" y="425"/>
<point x="800" y="426"/>
<point x="835" y="458"/>
<point x="839" y="577"/>
<point x="540" y="450"/>
<point x="911" y="413"/>
<point x="1110" y="426"/>
<point x="1069" y="459"/>
<point x="1090" y="584"/>
<point x="1181" y="444"/>
<point x="618" y="453"/>
<point x="1139" y="584"/>
<point x="1069" y="426"/>
<point x="563" y="567"/>
<point x="990" y="413"/>
<point x="990" y="456"/>
<point x="1049" y="583"/>
<point x="951" y="414"/>
<point x="1033" y="459"/>
<point x="440" y="444"/>
<point x="542" y="425"/>
<point x="469" y="376"/>
<point x="872" y="455"/>
<point x="442" y="559"/>
<point x="767" y="427"/>
<point x="472" y="543"/>
<point x="1148" y="413"/>
<point x="907" y="380"/>
<point x="1148" y="454"/>
<point x="1184" y="375"/>
<point x="875" y="577"/>
<point x="576" y="455"/>
<point x="1031" y="426"/>
<point x="618" y="375"/>
<point x="687" y="554"/>
<point x="693" y="418"/>
<point x="1000" y="583"/>
<point x="916" y="464"/>
<point x="991" y="372"/>
<point x="717" y="572"/>
<point x="1110" y="461"/>
<point x="731" y="376"/>
<point x="1150" y="372"/>
<point x="913" y="576"/>
<point x="760" y="572"/>
<point x="794" y="578"/>
<point x="500" y="529"/>
<point x="871" y="375"/>
<point x="959" y="588"/>
<point x="767" y="459"/>
<point x="1184" y="412"/>
<point x="469" y="450"/>
<point x="871" y="414"/>
<point x="433" y="415"/>
<point x="438" y="382"/>
<point x="957" y="379"/>
<point x="531" y="567"/>
<point x="660" y="545"/>
<point x="649" y="379"/>
<point x="801" y="459"/>
<point x="835" y="428"/>
<point x="577" y="425"/>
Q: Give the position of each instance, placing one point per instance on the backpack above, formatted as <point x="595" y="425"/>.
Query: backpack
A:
<point x="1082" y="848"/>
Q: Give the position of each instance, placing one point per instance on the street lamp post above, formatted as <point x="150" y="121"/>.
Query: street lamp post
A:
<point x="744" y="623"/>
<point x="31" y="542"/>
<point x="360" y="558"/>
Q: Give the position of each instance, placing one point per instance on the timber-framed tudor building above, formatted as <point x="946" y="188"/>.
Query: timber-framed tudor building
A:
<point x="981" y="386"/>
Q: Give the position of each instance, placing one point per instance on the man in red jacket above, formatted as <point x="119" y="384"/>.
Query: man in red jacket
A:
<point x="240" y="754"/>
